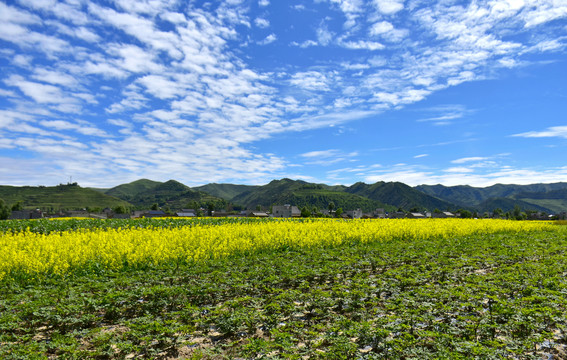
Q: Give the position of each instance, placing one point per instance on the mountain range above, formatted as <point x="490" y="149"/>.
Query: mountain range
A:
<point x="391" y="196"/>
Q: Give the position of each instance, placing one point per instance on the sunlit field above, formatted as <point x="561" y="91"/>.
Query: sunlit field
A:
<point x="59" y="248"/>
<point x="273" y="288"/>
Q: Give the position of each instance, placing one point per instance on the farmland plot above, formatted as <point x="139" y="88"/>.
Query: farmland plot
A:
<point x="284" y="289"/>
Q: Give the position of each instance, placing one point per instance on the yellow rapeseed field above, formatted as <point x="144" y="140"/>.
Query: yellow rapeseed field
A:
<point x="57" y="253"/>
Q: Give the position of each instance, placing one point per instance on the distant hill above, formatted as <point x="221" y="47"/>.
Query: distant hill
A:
<point x="555" y="200"/>
<point x="550" y="198"/>
<point x="131" y="190"/>
<point x="61" y="197"/>
<point x="225" y="191"/>
<point x="144" y="193"/>
<point x="399" y="195"/>
<point x="508" y="205"/>
<point x="301" y="193"/>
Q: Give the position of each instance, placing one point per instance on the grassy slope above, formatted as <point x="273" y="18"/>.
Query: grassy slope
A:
<point x="399" y="195"/>
<point x="145" y="193"/>
<point x="58" y="197"/>
<point x="507" y="204"/>
<point x="498" y="296"/>
<point x="224" y="191"/>
<point x="130" y="190"/>
<point x="473" y="196"/>
<point x="301" y="193"/>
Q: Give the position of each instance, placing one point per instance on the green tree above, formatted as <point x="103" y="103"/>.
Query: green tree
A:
<point x="331" y="206"/>
<point x="497" y="213"/>
<point x="517" y="213"/>
<point x="18" y="206"/>
<point x="339" y="212"/>
<point x="4" y="210"/>
<point x="155" y="206"/>
<point x="305" y="212"/>
<point x="120" y="209"/>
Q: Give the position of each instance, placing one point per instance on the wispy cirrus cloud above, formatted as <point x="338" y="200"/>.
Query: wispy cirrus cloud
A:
<point x="554" y="131"/>
<point x="328" y="157"/>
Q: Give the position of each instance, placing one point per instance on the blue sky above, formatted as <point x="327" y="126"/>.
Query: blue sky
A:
<point x="332" y="91"/>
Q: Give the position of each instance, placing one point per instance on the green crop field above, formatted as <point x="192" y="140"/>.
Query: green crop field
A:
<point x="500" y="295"/>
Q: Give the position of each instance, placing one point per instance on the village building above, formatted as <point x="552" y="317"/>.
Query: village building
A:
<point x="442" y="215"/>
<point x="285" y="211"/>
<point x="379" y="213"/>
<point x="354" y="214"/>
<point x="187" y="213"/>
<point x="26" y="214"/>
<point x="415" y="215"/>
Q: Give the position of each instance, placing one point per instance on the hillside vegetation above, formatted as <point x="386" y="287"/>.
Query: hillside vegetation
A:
<point x="551" y="198"/>
<point x="225" y="191"/>
<point x="143" y="193"/>
<point x="399" y="195"/>
<point x="61" y="197"/>
<point x="301" y="193"/>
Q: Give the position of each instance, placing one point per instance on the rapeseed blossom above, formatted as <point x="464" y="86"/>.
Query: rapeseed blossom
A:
<point x="32" y="253"/>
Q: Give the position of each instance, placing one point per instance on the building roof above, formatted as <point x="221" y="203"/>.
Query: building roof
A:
<point x="185" y="214"/>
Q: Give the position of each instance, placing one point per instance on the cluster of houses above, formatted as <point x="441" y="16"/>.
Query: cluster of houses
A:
<point x="277" y="211"/>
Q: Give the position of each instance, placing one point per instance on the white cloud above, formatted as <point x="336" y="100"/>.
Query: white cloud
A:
<point x="444" y="114"/>
<point x="459" y="169"/>
<point x="328" y="157"/>
<point x="40" y="93"/>
<point x="414" y="176"/>
<point x="324" y="36"/>
<point x="10" y="14"/>
<point x="174" y="17"/>
<point x="134" y="59"/>
<point x="22" y="60"/>
<point x="362" y="45"/>
<point x="320" y="153"/>
<point x="469" y="159"/>
<point x="187" y="97"/>
<point x="544" y="12"/>
<point x="268" y="40"/>
<point x="261" y="23"/>
<point x="311" y="80"/>
<point x="389" y="7"/>
<point x="305" y="44"/>
<point x="554" y="131"/>
<point x="381" y="27"/>
<point x="141" y="28"/>
<point x="386" y="31"/>
<point x="55" y="77"/>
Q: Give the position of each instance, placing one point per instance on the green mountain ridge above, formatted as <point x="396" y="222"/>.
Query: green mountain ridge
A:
<point x="143" y="193"/>
<point x="225" y="191"/>
<point x="399" y="195"/>
<point x="550" y="198"/>
<point x="301" y="193"/>
<point x="60" y="197"/>
<point x="130" y="190"/>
